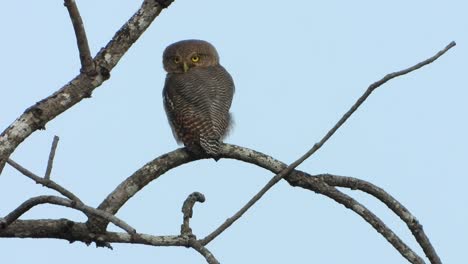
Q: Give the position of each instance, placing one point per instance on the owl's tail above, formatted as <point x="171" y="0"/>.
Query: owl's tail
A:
<point x="211" y="147"/>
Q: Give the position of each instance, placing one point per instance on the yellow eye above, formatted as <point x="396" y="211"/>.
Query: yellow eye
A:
<point x="176" y="59"/>
<point x="195" y="58"/>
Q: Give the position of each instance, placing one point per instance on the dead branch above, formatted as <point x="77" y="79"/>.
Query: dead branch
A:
<point x="49" y="199"/>
<point x="94" y="71"/>
<point x="319" y="144"/>
<point x="162" y="164"/>
<point x="50" y="162"/>
<point x="45" y="182"/>
<point x="83" y="85"/>
<point x="73" y="231"/>
<point x="379" y="193"/>
<point x="87" y="64"/>
<point x="198" y="246"/>
<point x="159" y="166"/>
<point x="187" y="210"/>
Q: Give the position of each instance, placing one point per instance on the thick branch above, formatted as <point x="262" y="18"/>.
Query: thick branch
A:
<point x="392" y="204"/>
<point x="160" y="165"/>
<point x="82" y="86"/>
<point x="73" y="231"/>
<point x="157" y="167"/>
<point x="87" y="64"/>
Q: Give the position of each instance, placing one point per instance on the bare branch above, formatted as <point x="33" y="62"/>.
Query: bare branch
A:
<point x="45" y="182"/>
<point x="160" y="165"/>
<point x="50" y="162"/>
<point x="73" y="231"/>
<point x="319" y="144"/>
<point x="392" y="204"/>
<point x="49" y="199"/>
<point x="187" y="210"/>
<point x="315" y="184"/>
<point x="210" y="258"/>
<point x="87" y="63"/>
<point x="82" y="86"/>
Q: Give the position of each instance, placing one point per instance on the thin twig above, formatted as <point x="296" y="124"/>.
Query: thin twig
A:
<point x="187" y="210"/>
<point x="392" y="204"/>
<point x="50" y="199"/>
<point x="87" y="63"/>
<point x="319" y="186"/>
<point x="45" y="182"/>
<point x="50" y="162"/>
<point x="319" y="144"/>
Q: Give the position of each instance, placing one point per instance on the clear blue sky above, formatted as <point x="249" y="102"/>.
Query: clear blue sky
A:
<point x="298" y="66"/>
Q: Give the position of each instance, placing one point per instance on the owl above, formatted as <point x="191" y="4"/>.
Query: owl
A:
<point x="197" y="96"/>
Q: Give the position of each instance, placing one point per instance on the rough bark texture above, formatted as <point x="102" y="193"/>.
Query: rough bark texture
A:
<point x="82" y="86"/>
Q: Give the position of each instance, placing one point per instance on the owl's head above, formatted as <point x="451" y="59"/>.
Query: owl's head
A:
<point x="181" y="56"/>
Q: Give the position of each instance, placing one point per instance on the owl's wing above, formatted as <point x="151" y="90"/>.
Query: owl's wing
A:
<point x="198" y="102"/>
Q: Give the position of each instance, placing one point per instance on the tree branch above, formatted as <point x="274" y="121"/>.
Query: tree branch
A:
<point x="49" y="199"/>
<point x="50" y="162"/>
<point x="73" y="231"/>
<point x="87" y="63"/>
<point x="82" y="86"/>
<point x="44" y="182"/>
<point x="392" y="204"/>
<point x="319" y="144"/>
<point x="187" y="210"/>
<point x="160" y="165"/>
<point x="210" y="258"/>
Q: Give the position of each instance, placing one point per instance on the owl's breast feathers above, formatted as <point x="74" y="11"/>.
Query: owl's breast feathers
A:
<point x="197" y="105"/>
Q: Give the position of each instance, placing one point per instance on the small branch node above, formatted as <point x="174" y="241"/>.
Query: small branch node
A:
<point x="187" y="210"/>
<point x="164" y="3"/>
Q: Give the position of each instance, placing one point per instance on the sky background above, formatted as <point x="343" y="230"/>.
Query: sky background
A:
<point x="298" y="66"/>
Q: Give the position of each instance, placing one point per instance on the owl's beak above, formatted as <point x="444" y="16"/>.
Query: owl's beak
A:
<point x="186" y="67"/>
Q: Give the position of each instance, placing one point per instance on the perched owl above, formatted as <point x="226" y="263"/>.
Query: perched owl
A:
<point x="197" y="96"/>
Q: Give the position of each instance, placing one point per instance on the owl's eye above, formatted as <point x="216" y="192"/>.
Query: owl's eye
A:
<point x="195" y="58"/>
<point x="176" y="59"/>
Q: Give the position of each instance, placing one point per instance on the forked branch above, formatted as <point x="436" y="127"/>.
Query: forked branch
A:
<point x="82" y="86"/>
<point x="327" y="136"/>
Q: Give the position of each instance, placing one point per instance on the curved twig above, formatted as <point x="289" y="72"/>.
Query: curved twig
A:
<point x="82" y="86"/>
<point x="49" y="199"/>
<point x="87" y="64"/>
<point x="187" y="210"/>
<point x="400" y="210"/>
<point x="319" y="144"/>
<point x="45" y="182"/>
<point x="152" y="170"/>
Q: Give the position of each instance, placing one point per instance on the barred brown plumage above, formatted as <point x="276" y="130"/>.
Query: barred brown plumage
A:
<point x="197" y="96"/>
